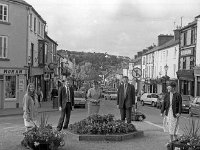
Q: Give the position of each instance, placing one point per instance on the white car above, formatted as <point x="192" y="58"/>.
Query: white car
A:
<point x="110" y="95"/>
<point x="149" y="98"/>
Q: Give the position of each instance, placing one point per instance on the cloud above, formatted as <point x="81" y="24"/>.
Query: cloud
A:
<point x="120" y="27"/>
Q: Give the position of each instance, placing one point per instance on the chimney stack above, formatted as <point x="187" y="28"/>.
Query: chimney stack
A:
<point x="176" y="34"/>
<point x="162" y="39"/>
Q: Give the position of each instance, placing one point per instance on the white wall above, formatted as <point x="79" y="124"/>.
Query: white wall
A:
<point x="169" y="57"/>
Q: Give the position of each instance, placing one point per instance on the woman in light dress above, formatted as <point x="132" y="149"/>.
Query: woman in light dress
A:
<point x="172" y="106"/>
<point x="94" y="95"/>
<point x="30" y="106"/>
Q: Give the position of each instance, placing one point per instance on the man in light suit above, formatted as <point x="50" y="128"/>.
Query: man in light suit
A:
<point x="65" y="103"/>
<point x="126" y="99"/>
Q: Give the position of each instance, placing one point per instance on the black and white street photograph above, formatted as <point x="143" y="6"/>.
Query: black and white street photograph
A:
<point x="99" y="75"/>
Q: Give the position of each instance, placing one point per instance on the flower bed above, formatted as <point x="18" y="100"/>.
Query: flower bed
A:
<point x="101" y="125"/>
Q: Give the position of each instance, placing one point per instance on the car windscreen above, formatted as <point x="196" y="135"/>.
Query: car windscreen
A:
<point x="79" y="95"/>
<point x="185" y="98"/>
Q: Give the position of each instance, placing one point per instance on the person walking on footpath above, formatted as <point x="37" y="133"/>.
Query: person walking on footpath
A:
<point x="40" y="95"/>
<point x="65" y="103"/>
<point x="171" y="110"/>
<point x="126" y="99"/>
<point x="93" y="98"/>
<point x="30" y="106"/>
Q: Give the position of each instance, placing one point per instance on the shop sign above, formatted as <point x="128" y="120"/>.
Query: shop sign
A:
<point x="21" y="85"/>
<point x="197" y="71"/>
<point x="187" y="52"/>
<point x="12" y="71"/>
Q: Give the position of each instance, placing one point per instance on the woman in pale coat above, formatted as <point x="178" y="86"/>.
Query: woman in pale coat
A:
<point x="94" y="95"/>
<point x="30" y="106"/>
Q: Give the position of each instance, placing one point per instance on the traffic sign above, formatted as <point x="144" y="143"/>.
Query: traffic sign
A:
<point x="136" y="72"/>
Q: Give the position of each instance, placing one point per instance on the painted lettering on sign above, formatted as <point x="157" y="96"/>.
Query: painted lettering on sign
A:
<point x="187" y="52"/>
<point x="12" y="71"/>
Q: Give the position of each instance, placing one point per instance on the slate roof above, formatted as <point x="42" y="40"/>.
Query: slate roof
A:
<point x="166" y="45"/>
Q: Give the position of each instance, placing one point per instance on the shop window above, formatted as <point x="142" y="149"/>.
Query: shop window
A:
<point x="191" y="62"/>
<point x="184" y="63"/>
<point x="10" y="87"/>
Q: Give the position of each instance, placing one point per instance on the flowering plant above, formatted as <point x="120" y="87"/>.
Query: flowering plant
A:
<point x="41" y="135"/>
<point x="191" y="136"/>
<point x="97" y="124"/>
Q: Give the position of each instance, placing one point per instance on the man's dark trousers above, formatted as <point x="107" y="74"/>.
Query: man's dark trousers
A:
<point x="126" y="113"/>
<point x="65" y="116"/>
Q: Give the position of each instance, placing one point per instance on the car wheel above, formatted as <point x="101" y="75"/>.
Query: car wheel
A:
<point x="142" y="102"/>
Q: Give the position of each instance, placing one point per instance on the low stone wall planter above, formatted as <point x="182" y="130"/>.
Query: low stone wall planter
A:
<point x="119" y="137"/>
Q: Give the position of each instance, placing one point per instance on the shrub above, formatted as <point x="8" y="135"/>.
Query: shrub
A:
<point x="97" y="124"/>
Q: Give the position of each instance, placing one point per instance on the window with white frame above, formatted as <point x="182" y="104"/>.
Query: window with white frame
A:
<point x="3" y="12"/>
<point x="10" y="87"/>
<point x="3" y="46"/>
<point x="34" y="27"/>
<point x="39" y="28"/>
<point x="31" y="21"/>
<point x="42" y="29"/>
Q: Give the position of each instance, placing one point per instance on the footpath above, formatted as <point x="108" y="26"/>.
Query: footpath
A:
<point x="45" y="107"/>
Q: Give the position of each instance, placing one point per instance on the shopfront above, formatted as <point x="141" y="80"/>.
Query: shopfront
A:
<point x="186" y="82"/>
<point x="12" y="87"/>
<point x="197" y="80"/>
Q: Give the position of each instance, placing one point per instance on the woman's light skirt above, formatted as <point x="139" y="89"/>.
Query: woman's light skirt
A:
<point x="93" y="108"/>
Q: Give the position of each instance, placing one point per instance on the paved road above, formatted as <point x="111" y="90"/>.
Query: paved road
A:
<point x="11" y="129"/>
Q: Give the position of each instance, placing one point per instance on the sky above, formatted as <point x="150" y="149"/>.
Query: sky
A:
<point x="116" y="27"/>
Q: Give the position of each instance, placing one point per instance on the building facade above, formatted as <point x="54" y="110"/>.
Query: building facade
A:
<point x="189" y="59"/>
<point x="22" y="51"/>
<point x="13" y="53"/>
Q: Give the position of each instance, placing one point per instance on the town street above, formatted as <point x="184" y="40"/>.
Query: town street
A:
<point x="11" y="128"/>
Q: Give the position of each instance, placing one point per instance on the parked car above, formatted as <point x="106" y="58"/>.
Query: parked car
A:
<point x="110" y="95"/>
<point x="186" y="100"/>
<point x="149" y="98"/>
<point x="195" y="107"/>
<point x="79" y="99"/>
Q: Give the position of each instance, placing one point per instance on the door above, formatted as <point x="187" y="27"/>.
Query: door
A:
<point x="148" y="100"/>
<point x="1" y="94"/>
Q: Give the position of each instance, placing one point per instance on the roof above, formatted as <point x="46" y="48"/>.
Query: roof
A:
<point x="21" y="2"/>
<point x="51" y="39"/>
<point x="166" y="45"/>
<point x="189" y="25"/>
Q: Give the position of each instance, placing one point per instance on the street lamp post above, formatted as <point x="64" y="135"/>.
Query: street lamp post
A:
<point x="166" y="69"/>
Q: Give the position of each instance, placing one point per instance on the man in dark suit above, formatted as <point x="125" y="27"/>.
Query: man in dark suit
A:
<point x="126" y="99"/>
<point x="65" y="103"/>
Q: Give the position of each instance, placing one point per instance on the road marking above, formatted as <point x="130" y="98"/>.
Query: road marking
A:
<point x="154" y="124"/>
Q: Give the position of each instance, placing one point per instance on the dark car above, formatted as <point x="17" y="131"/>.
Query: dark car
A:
<point x="186" y="100"/>
<point x="195" y="107"/>
<point x="79" y="99"/>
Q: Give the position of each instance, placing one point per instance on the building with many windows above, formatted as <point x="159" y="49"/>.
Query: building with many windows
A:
<point x="189" y="58"/>
<point x="159" y="64"/>
<point x="22" y="50"/>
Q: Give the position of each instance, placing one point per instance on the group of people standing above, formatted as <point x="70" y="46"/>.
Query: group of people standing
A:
<point x="171" y="108"/>
<point x="125" y="102"/>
